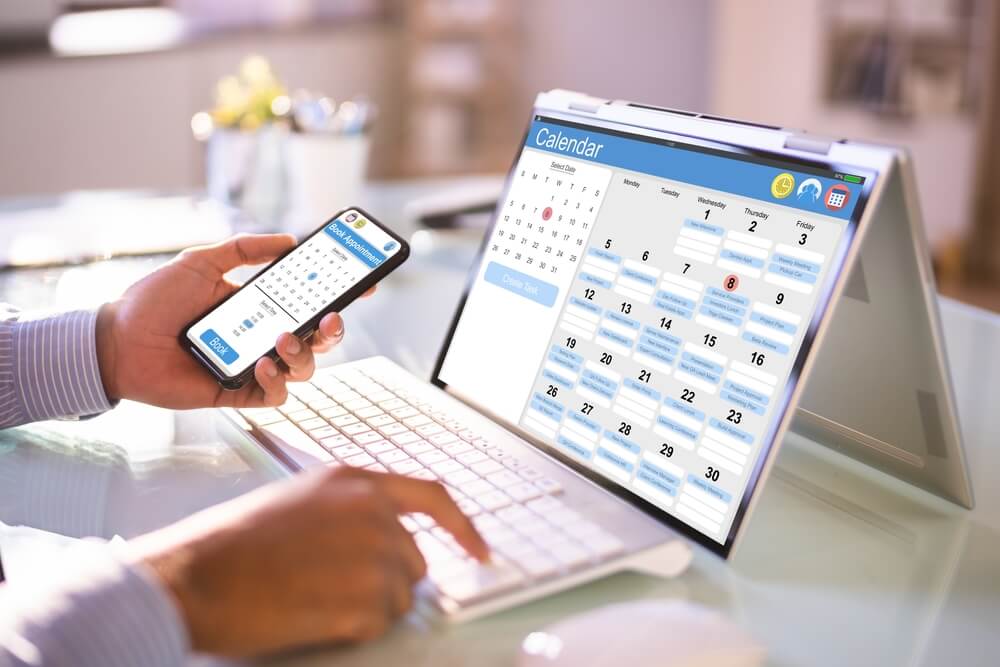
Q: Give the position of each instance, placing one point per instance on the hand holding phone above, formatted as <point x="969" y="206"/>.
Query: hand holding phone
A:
<point x="333" y="266"/>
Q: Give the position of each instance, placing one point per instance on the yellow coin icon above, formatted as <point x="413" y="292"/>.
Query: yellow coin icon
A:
<point x="782" y="185"/>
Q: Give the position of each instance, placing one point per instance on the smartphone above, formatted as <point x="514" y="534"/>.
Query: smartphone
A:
<point x="332" y="267"/>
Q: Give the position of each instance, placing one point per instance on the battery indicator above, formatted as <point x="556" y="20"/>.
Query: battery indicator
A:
<point x="853" y="179"/>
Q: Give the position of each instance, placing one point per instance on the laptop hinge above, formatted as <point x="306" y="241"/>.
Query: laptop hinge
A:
<point x="809" y="143"/>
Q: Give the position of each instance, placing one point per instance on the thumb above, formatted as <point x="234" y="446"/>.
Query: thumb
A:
<point x="245" y="249"/>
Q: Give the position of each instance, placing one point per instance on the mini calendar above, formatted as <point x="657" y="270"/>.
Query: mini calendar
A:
<point x="308" y="279"/>
<point x="545" y="221"/>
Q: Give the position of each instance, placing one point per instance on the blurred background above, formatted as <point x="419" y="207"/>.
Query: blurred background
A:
<point x="162" y="97"/>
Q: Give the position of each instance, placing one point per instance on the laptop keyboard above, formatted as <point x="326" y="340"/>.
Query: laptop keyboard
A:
<point x="346" y="417"/>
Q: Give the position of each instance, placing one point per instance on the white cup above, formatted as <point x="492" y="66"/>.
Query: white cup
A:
<point x="326" y="173"/>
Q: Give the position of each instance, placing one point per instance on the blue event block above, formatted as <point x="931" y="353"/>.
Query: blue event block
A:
<point x="773" y="323"/>
<point x="615" y="459"/>
<point x="642" y="388"/>
<point x="741" y="258"/>
<point x="586" y="305"/>
<point x="615" y="336"/>
<point x="594" y="280"/>
<point x="662" y="356"/>
<point x="588" y="424"/>
<point x="604" y="254"/>
<point x="702" y="226"/>
<point x="765" y="343"/>
<point x="618" y="318"/>
<point x="622" y="441"/>
<point x="794" y="274"/>
<point x="658" y="477"/>
<point x="741" y="402"/>
<point x="709" y="488"/>
<point x="674" y="427"/>
<point x="521" y="284"/>
<point x="684" y="408"/>
<point x="746" y="392"/>
<point x="731" y="430"/>
<point x="640" y="276"/>
<point x="573" y="447"/>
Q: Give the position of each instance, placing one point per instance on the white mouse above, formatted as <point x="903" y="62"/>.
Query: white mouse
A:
<point x="648" y="633"/>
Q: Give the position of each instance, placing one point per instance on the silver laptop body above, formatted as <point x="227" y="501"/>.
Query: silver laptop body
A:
<point x="880" y="392"/>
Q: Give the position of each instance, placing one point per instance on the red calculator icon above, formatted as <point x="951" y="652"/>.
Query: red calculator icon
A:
<point x="836" y="197"/>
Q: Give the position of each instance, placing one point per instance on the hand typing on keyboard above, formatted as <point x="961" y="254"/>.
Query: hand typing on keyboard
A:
<point x="322" y="557"/>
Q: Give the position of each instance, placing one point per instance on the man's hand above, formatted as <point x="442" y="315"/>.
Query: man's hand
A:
<point x="138" y="352"/>
<point x="320" y="558"/>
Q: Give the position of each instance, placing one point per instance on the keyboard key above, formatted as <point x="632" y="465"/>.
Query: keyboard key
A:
<point x="381" y="420"/>
<point x="537" y="565"/>
<point x="459" y="476"/>
<point x="335" y="441"/>
<point x="468" y="435"/>
<point x="360" y="460"/>
<point x="548" y="485"/>
<point x="344" y="396"/>
<point x="323" y="403"/>
<point x="409" y="524"/>
<point x="371" y="411"/>
<point x="446" y="467"/>
<point x="486" y="522"/>
<point x="314" y="423"/>
<point x="379" y="446"/>
<point x="471" y="456"/>
<point x="357" y="404"/>
<point x="417" y="420"/>
<point x="424" y="473"/>
<point x="392" y="404"/>
<point x="331" y="413"/>
<point x="301" y="415"/>
<point x="457" y="447"/>
<point x="393" y="456"/>
<point x="354" y="429"/>
<point x="430" y="429"/>
<point x="291" y="405"/>
<point x="377" y="467"/>
<point x="405" y="437"/>
<point x="429" y="457"/>
<point x="503" y="478"/>
<point x="513" y="463"/>
<point x="499" y="453"/>
<point x="403" y="413"/>
<point x="486" y="467"/>
<point x="481" y="443"/>
<point x="477" y="487"/>
<point x="393" y="429"/>
<point x="469" y="507"/>
<point x="380" y="396"/>
<point x="405" y="467"/>
<point x="367" y="437"/>
<point x="479" y="581"/>
<point x="340" y="422"/>
<point x="443" y="438"/>
<point x="522" y="491"/>
<point x="325" y="431"/>
<point x="546" y="504"/>
<point x="517" y="547"/>
<point x="493" y="500"/>
<point x="419" y="447"/>
<point x="529" y="473"/>
<point x="344" y="451"/>
<point x="533" y="525"/>
<point x="516" y="513"/>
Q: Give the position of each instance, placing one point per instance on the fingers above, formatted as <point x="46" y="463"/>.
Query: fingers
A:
<point x="417" y="495"/>
<point x="369" y="291"/>
<point x="329" y="333"/>
<point x="413" y="561"/>
<point x="244" y="249"/>
<point x="297" y="356"/>
<point x="272" y="386"/>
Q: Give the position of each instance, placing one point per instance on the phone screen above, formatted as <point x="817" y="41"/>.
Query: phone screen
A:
<point x="287" y="295"/>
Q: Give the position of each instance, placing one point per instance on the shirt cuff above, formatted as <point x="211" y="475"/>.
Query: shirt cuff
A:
<point x="98" y="611"/>
<point x="55" y="369"/>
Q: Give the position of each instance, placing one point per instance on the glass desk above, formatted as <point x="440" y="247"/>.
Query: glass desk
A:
<point x="841" y="565"/>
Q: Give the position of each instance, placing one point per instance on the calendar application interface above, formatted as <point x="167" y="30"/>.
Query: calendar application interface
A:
<point x="311" y="277"/>
<point x="640" y="305"/>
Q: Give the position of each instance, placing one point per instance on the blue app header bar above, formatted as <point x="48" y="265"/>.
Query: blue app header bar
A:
<point x="355" y="244"/>
<point x="769" y="184"/>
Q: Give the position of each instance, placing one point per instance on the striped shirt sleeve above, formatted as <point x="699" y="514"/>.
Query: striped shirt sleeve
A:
<point x="97" y="611"/>
<point x="48" y="367"/>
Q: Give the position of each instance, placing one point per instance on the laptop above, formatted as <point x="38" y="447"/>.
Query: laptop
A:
<point x="633" y="343"/>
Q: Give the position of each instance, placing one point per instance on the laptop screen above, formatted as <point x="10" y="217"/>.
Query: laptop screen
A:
<point x="641" y="307"/>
